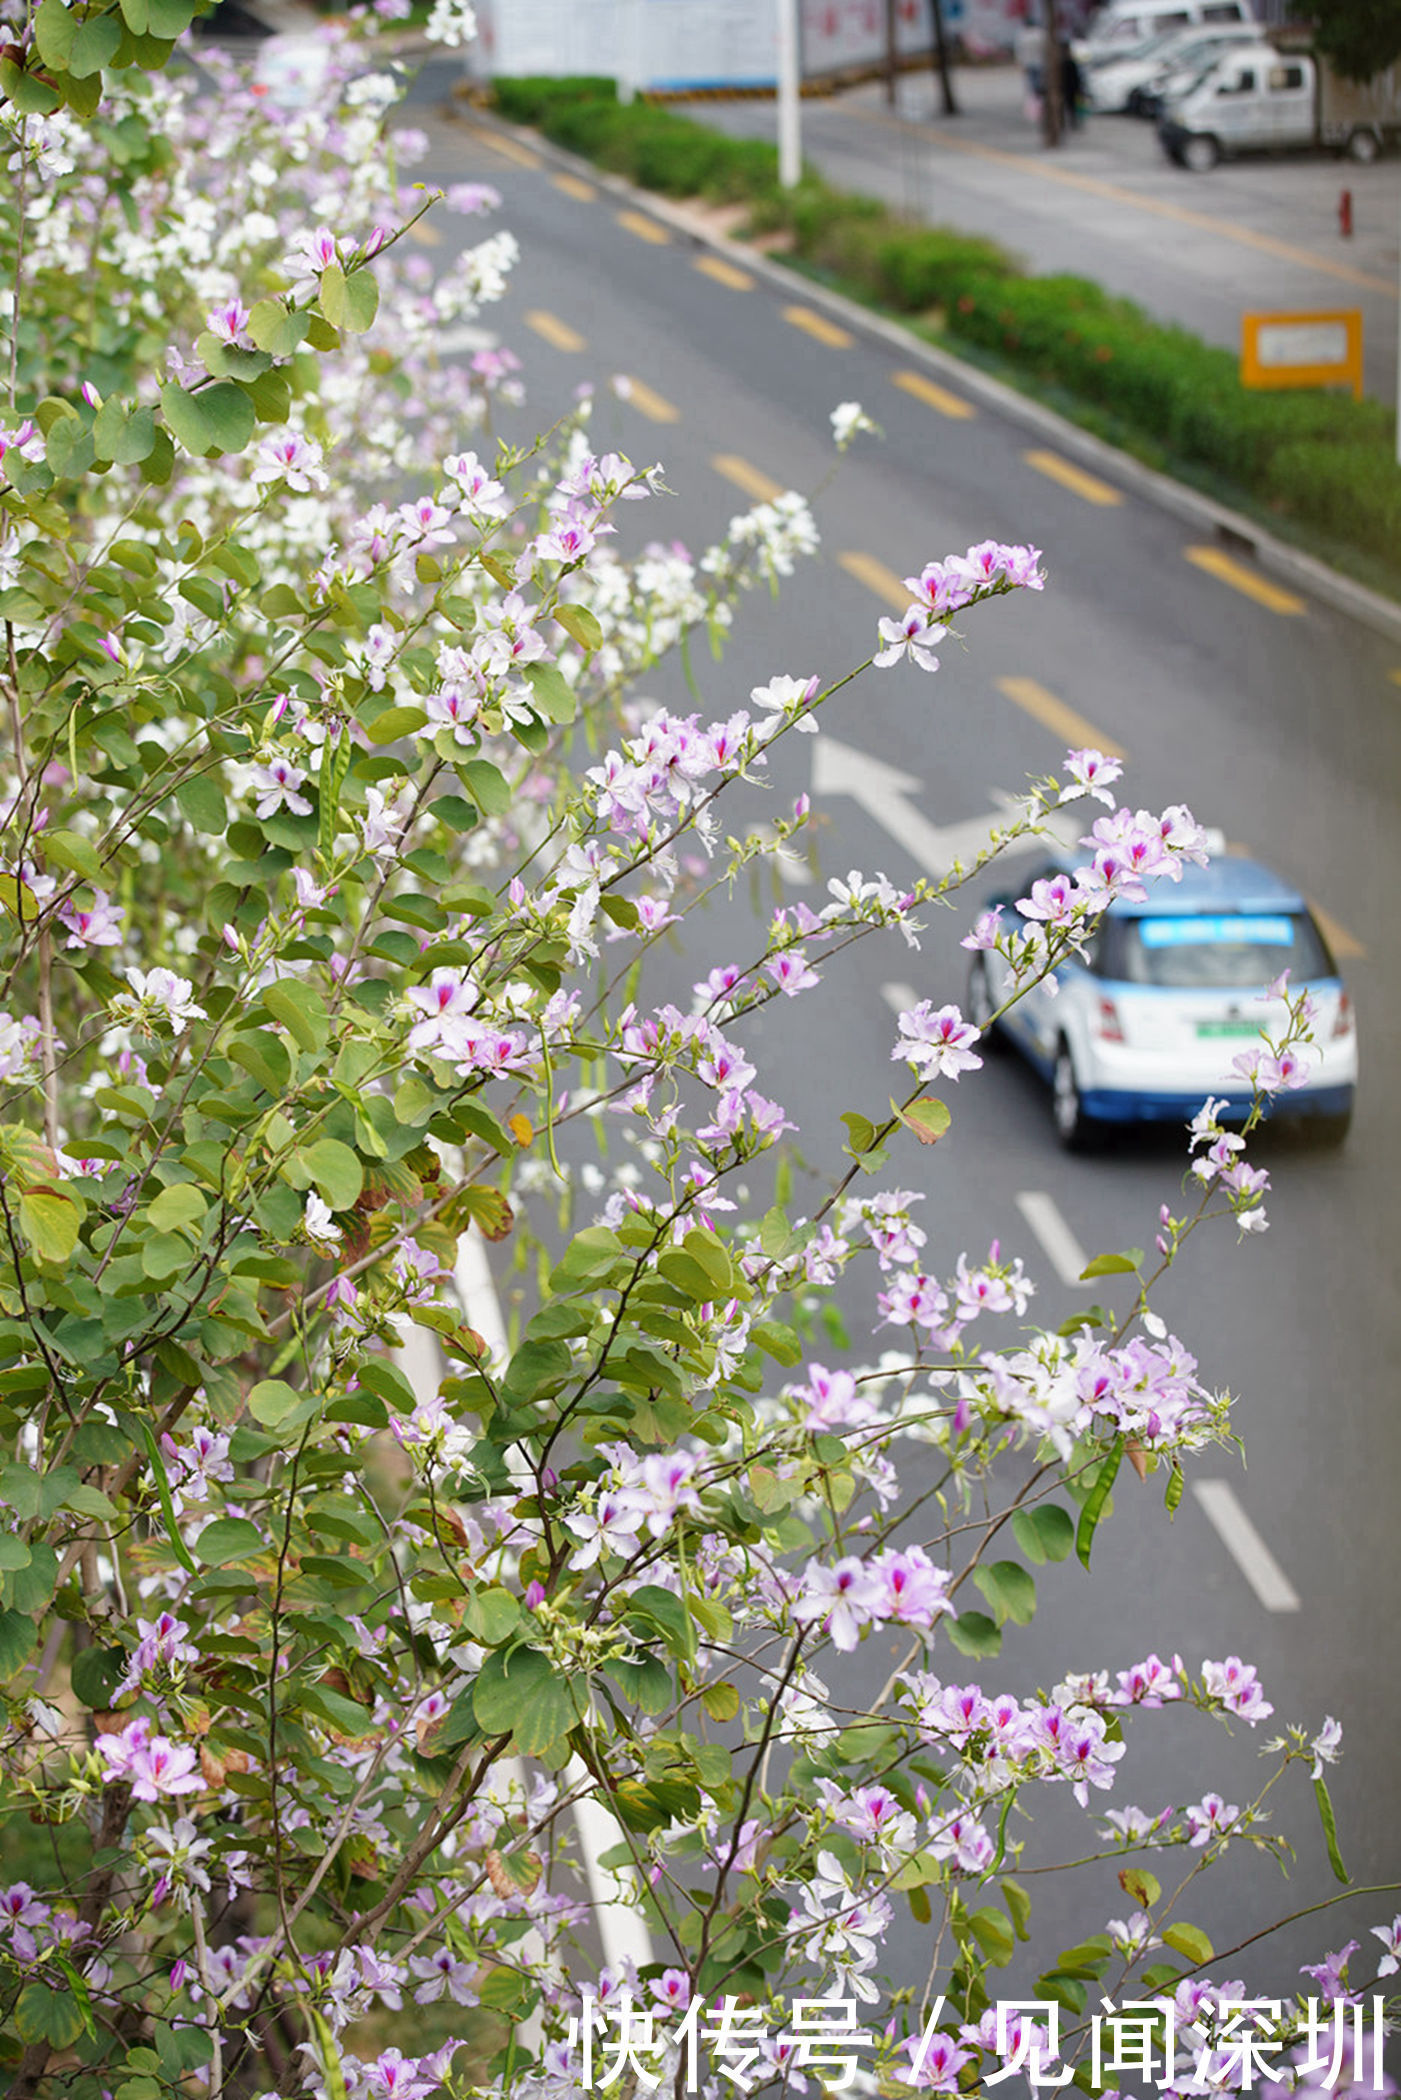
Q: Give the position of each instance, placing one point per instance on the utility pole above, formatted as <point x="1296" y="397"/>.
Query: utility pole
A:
<point x="1051" y="111"/>
<point x="890" y="52"/>
<point x="790" y="145"/>
<point x="941" y="58"/>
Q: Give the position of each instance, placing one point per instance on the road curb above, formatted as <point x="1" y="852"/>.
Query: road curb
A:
<point x="1239" y="534"/>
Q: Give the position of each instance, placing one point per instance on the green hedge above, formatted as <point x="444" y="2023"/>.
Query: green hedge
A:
<point x="1323" y="460"/>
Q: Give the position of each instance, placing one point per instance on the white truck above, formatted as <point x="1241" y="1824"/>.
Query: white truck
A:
<point x="1271" y="100"/>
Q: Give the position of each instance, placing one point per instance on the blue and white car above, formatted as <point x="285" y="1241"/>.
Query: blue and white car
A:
<point x="1169" y="997"/>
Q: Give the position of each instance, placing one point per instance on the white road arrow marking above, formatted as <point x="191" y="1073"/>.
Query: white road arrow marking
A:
<point x="884" y="792"/>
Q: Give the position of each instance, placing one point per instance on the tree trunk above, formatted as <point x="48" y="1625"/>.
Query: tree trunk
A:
<point x="1051" y="110"/>
<point x="941" y="59"/>
<point x="890" y="53"/>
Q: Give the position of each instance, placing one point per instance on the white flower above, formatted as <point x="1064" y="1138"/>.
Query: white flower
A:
<point x="162" y="993"/>
<point x="847" y="419"/>
<point x="318" y="1224"/>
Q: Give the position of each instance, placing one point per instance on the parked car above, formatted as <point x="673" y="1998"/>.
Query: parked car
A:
<point x="1178" y="69"/>
<point x="1171" y="994"/>
<point x="1274" y="100"/>
<point x="1126" y="22"/>
<point x="1117" y="81"/>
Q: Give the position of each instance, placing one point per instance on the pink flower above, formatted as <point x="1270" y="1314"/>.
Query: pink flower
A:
<point x="290" y="458"/>
<point x="792" y="972"/>
<point x="230" y="323"/>
<point x="913" y="636"/>
<point x="153" y="1765"/>
<point x="278" y="786"/>
<point x="934" y="1044"/>
<point x="98" y="927"/>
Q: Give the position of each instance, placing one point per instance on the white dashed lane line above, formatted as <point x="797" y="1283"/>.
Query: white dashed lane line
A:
<point x="1245" y="1545"/>
<point x="1055" y="1238"/>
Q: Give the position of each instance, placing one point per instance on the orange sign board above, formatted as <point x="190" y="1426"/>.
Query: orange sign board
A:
<point x="1279" y="350"/>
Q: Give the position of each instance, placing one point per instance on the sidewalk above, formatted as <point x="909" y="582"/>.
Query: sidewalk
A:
<point x="1253" y="236"/>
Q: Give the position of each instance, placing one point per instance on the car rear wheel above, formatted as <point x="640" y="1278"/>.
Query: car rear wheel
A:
<point x="1073" y="1126"/>
<point x="982" y="1005"/>
<point x="1364" y="146"/>
<point x="1200" y="155"/>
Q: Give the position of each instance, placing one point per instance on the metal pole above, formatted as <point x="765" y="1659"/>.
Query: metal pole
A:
<point x="1398" y="373"/>
<point x="630" y="58"/>
<point x="890" y="52"/>
<point x="790" y="148"/>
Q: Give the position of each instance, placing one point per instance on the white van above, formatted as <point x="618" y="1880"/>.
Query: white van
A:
<point x="1125" y="22"/>
<point x="1263" y="100"/>
<point x="1115" y="80"/>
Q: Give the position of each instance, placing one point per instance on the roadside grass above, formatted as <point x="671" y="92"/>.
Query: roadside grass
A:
<point x="1318" y="468"/>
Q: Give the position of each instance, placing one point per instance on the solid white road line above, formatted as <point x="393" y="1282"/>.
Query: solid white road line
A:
<point x="1058" y="1243"/>
<point x="624" y="1934"/>
<point x="1245" y="1545"/>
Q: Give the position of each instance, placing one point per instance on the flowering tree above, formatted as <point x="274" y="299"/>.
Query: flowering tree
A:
<point x="324" y="809"/>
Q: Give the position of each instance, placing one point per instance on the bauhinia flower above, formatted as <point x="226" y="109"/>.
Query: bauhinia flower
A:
<point x="161" y="996"/>
<point x="936" y="1044"/>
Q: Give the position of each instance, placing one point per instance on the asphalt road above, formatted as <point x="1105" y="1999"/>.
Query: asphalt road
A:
<point x="1279" y="722"/>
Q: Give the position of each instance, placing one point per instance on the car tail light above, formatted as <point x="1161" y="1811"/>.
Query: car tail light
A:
<point x="1111" y="1029"/>
<point x="1342" y="1019"/>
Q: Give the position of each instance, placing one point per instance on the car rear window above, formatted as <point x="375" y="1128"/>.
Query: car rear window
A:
<point x="1234" y="951"/>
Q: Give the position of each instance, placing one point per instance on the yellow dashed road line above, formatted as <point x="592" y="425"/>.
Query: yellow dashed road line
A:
<point x="935" y="396"/>
<point x="1087" y="486"/>
<point x="818" y="327"/>
<point x="1395" y="676"/>
<point x="1226" y="569"/>
<point x="654" y="406"/>
<point x="1344" y="945"/>
<point x="646" y="229"/>
<point x="876" y="577"/>
<point x="1074" y="731"/>
<point x="752" y="480"/>
<point x="727" y="273"/>
<point x="510" y="149"/>
<point x="575" y="186"/>
<point x="557" y="332"/>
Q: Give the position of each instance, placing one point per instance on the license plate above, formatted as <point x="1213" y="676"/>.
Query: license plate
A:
<point x="1231" y="1028"/>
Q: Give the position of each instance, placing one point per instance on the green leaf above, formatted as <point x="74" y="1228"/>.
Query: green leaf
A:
<point x="17" y="1639"/>
<point x="721" y="1701"/>
<point x="31" y="97"/>
<point x="94" y="45"/>
<point x="229" y="1539"/>
<point x="44" y="2014"/>
<point x="394" y="723"/>
<point x="994" y="1935"/>
<point x="1109" y="1265"/>
<point x="95" y="1674"/>
<point x="1044" y="1533"/>
<point x="13" y="1553"/>
<point x="332" y="301"/>
<point x="69" y="850"/>
<point x="487" y="786"/>
<point x="1009" y="1590"/>
<point x="1145" y="1888"/>
<point x="1192" y="1942"/>
<point x="667" y="1612"/>
<point x="578" y="622"/>
<point x="928" y="1119"/>
<point x="1095" y="1501"/>
<point x="1018" y="1907"/>
<point x="272" y="1401"/>
<point x="336" y="1171"/>
<point x="164" y="1256"/>
<point x="50" y="1222"/>
<point x="170" y="18"/>
<point x="491" y="1616"/>
<point x="553" y="697"/>
<point x="1330" y="1829"/>
<point x="302" y="1012"/>
<point x="522" y="1694"/>
<point x="55" y="27"/>
<point x="201" y="803"/>
<point x="180" y="1208"/>
<point x="214" y="420"/>
<point x="276" y="330"/>
<point x="973" y="1633"/>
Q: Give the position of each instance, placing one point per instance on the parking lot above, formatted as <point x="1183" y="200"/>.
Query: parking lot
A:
<point x="1253" y="235"/>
